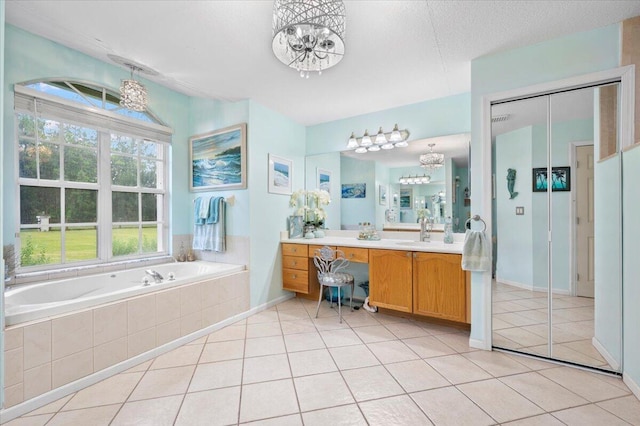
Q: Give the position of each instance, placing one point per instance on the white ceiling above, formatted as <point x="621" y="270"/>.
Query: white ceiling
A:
<point x="397" y="52"/>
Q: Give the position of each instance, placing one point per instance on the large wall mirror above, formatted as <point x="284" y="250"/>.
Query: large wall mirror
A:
<point x="394" y="190"/>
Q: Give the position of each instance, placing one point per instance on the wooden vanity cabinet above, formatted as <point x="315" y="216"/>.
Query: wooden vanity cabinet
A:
<point x="295" y="268"/>
<point x="391" y="279"/>
<point x="439" y="286"/>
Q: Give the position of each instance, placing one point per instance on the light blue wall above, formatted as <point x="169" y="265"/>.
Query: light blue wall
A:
<point x="331" y="162"/>
<point x="631" y="246"/>
<point x="269" y="132"/>
<point x="29" y="57"/>
<point x="608" y="222"/>
<point x="357" y="210"/>
<point x="552" y="60"/>
<point x="438" y="117"/>
<point x="205" y="116"/>
<point x="2" y="43"/>
<point x="514" y="234"/>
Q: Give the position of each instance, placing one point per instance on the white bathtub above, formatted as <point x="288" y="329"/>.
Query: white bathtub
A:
<point x="36" y="301"/>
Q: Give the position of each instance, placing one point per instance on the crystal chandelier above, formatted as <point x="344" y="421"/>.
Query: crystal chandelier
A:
<point x="133" y="95"/>
<point x="308" y="35"/>
<point x="431" y="160"/>
<point x="394" y="139"/>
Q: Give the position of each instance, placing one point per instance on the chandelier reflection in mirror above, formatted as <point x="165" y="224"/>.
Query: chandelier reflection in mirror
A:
<point x="308" y="35"/>
<point x="431" y="160"/>
<point x="394" y="139"/>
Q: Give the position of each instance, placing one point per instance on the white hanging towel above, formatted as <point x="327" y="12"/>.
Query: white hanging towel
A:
<point x="476" y="251"/>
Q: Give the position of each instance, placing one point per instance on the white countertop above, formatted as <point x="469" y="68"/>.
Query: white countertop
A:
<point x="434" y="246"/>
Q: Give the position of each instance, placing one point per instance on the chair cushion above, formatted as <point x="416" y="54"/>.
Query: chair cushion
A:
<point x="336" y="278"/>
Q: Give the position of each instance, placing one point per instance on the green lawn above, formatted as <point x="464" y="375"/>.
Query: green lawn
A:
<point x="81" y="244"/>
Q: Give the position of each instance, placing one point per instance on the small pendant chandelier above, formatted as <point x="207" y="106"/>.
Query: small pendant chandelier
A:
<point x="308" y="35"/>
<point x="133" y="95"/>
<point x="432" y="160"/>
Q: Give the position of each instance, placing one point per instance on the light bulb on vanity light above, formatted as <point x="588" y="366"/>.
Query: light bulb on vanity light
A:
<point x="395" y="135"/>
<point x="353" y="142"/>
<point x="380" y="137"/>
<point x="366" y="139"/>
<point x="374" y="148"/>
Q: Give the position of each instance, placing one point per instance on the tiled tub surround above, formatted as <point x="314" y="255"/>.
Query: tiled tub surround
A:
<point x="46" y="354"/>
<point x="46" y="299"/>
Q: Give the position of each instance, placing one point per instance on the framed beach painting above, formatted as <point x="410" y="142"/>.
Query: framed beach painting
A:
<point x="219" y="159"/>
<point x="323" y="180"/>
<point x="280" y="175"/>
<point x="354" y="190"/>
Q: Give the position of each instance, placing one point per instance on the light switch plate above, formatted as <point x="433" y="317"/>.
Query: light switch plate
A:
<point x="519" y="211"/>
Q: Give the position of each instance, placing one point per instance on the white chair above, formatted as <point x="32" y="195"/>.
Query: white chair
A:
<point x="329" y="263"/>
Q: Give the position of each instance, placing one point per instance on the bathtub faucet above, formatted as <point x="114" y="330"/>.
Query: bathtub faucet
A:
<point x="155" y="275"/>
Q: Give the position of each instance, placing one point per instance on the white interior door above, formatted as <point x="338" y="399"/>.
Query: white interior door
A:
<point x="584" y="221"/>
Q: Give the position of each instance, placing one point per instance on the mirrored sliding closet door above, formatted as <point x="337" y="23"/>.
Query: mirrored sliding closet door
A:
<point x="557" y="228"/>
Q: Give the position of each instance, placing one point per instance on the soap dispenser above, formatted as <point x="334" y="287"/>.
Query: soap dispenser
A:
<point x="448" y="231"/>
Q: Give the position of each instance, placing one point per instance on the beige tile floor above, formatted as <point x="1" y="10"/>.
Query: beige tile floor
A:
<point x="284" y="367"/>
<point x="520" y="322"/>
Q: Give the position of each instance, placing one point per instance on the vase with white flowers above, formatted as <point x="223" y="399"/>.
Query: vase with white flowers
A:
<point x="309" y="204"/>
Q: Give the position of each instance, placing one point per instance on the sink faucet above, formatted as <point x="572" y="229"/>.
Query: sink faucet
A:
<point x="426" y="225"/>
<point x="155" y="275"/>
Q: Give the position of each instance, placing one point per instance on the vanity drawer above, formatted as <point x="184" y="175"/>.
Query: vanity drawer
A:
<point x="353" y="254"/>
<point x="295" y="280"/>
<point x="314" y="247"/>
<point x="293" y="262"/>
<point x="299" y="250"/>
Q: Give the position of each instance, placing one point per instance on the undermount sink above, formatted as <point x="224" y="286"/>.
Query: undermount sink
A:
<point x="413" y="243"/>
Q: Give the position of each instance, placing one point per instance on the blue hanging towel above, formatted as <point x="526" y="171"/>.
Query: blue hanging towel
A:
<point x="214" y="209"/>
<point x="196" y="207"/>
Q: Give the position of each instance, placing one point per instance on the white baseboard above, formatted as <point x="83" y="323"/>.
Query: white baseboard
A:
<point x="531" y="287"/>
<point x="479" y="344"/>
<point x="633" y="386"/>
<point x="55" y="394"/>
<point x="514" y="283"/>
<point x="605" y="354"/>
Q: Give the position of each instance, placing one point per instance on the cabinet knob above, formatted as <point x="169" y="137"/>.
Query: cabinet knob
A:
<point x="294" y="250"/>
<point x="408" y="254"/>
<point x="294" y="263"/>
<point x="415" y="255"/>
<point x="351" y="255"/>
<point x="293" y="276"/>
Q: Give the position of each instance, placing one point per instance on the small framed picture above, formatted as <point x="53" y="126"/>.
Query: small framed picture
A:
<point x="280" y="175"/>
<point x="406" y="198"/>
<point x="560" y="179"/>
<point x="296" y="226"/>
<point x="323" y="179"/>
<point x="219" y="159"/>
<point x="382" y="195"/>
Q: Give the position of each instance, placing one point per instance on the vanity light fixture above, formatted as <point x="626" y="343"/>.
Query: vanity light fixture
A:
<point x="394" y="139"/>
<point x="431" y="160"/>
<point x="308" y="35"/>
<point x="414" y="180"/>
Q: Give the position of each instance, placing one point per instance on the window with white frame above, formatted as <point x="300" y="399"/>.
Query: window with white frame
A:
<point x="92" y="177"/>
